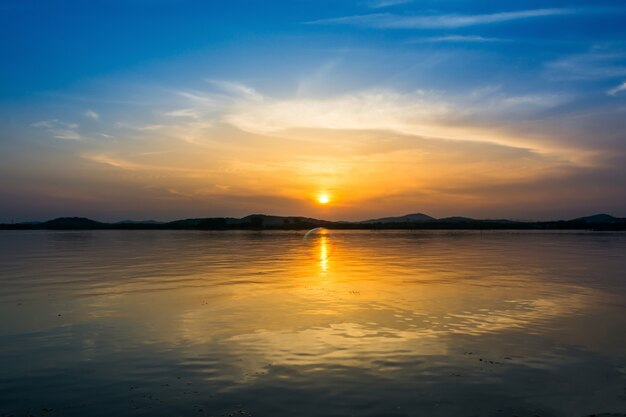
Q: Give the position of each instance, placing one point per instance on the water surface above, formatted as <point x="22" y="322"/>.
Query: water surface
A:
<point x="363" y="323"/>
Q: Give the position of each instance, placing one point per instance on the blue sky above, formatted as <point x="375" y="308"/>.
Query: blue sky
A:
<point x="164" y="109"/>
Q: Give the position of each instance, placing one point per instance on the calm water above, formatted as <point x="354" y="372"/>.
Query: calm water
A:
<point x="159" y="323"/>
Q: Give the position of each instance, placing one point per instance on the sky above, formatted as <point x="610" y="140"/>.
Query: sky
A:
<point x="168" y="109"/>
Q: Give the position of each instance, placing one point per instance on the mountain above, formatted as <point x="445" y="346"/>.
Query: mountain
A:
<point x="408" y="218"/>
<point x="268" y="220"/>
<point x="416" y="221"/>
<point x="249" y="222"/>
<point x="203" y="223"/>
<point x="139" y="222"/>
<point x="457" y="219"/>
<point x="72" y="223"/>
<point x="598" y="218"/>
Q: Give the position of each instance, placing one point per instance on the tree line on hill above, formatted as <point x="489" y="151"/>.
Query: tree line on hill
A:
<point x="417" y="221"/>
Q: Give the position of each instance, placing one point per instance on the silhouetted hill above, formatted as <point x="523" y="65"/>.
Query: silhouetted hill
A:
<point x="424" y="218"/>
<point x="267" y="222"/>
<point x="138" y="222"/>
<point x="408" y="218"/>
<point x="282" y="221"/>
<point x="457" y="219"/>
<point x="599" y="218"/>
<point x="72" y="223"/>
<point x="205" y="223"/>
<point x="253" y="221"/>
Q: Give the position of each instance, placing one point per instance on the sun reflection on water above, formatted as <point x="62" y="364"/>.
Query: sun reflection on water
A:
<point x="323" y="247"/>
<point x="239" y="308"/>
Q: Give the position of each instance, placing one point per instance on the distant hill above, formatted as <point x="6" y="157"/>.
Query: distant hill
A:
<point x="424" y="218"/>
<point x="251" y="221"/>
<point x="269" y="220"/>
<point x="456" y="219"/>
<point x="138" y="222"/>
<point x="408" y="218"/>
<point x="72" y="223"/>
<point x="599" y="218"/>
<point x="264" y="222"/>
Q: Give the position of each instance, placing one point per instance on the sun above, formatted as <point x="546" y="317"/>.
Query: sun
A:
<point x="323" y="198"/>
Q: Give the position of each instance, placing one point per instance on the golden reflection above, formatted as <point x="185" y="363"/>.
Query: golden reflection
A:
<point x="373" y="301"/>
<point x="324" y="253"/>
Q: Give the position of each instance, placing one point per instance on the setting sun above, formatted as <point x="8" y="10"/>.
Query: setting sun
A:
<point x="323" y="199"/>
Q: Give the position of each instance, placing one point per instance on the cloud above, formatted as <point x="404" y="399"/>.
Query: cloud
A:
<point x="379" y="4"/>
<point x="485" y="115"/>
<point x="417" y="113"/>
<point x="442" y="21"/>
<point x="458" y="38"/>
<point x="237" y="89"/>
<point x="595" y="64"/>
<point x="65" y="134"/>
<point x="54" y="123"/>
<point x="59" y="129"/>
<point x="616" y="90"/>
<point x="151" y="127"/>
<point x="113" y="162"/>
<point x="91" y="115"/>
<point x="184" y="113"/>
<point x="318" y="78"/>
<point x="373" y="109"/>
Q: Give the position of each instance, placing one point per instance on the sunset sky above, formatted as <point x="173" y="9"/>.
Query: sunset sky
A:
<point x="165" y="109"/>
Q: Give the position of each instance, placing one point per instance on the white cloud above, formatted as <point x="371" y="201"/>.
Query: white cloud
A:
<point x="418" y="113"/>
<point x="458" y="38"/>
<point x="596" y="64"/>
<point x="237" y="89"/>
<point x="91" y="114"/>
<point x="65" y="134"/>
<point x="379" y="4"/>
<point x="427" y="113"/>
<point x="151" y="127"/>
<point x="442" y="21"/>
<point x="44" y="124"/>
<point x="184" y="113"/>
<point x="59" y="129"/>
<point x="54" y="123"/>
<point x="364" y="110"/>
<point x="313" y="82"/>
<point x="616" y="90"/>
<point x="435" y="114"/>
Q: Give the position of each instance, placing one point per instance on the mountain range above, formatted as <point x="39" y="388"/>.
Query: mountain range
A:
<point x="262" y="221"/>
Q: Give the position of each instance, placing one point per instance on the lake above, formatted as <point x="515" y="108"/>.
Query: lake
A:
<point x="342" y="323"/>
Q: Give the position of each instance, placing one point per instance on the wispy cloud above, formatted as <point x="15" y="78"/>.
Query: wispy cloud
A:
<point x="420" y="113"/>
<point x="237" y="89"/>
<point x="59" y="129"/>
<point x="184" y="113"/>
<point x="379" y="4"/>
<point x="595" y="64"/>
<point x="616" y="90"/>
<point x="65" y="134"/>
<point x="91" y="115"/>
<point x="458" y="39"/>
<point x="467" y="116"/>
<point x="441" y="21"/>
<point x="107" y="160"/>
<point x="151" y="127"/>
<point x="361" y="110"/>
<point x="54" y="123"/>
